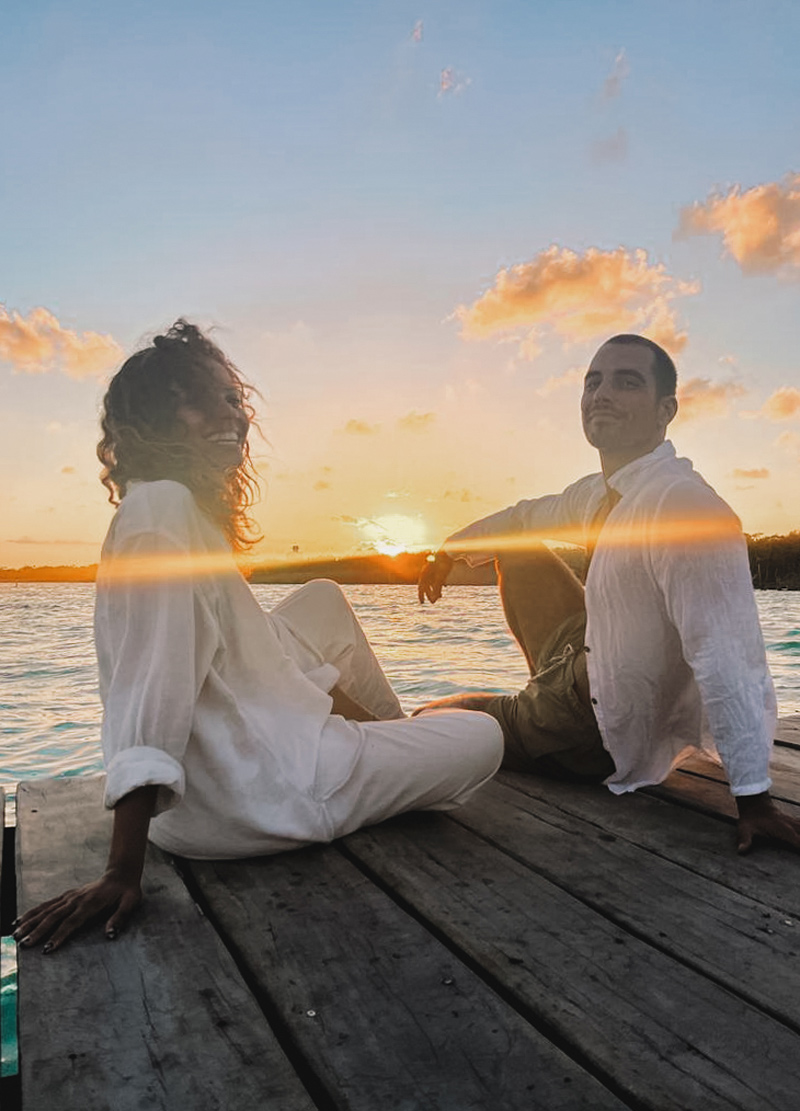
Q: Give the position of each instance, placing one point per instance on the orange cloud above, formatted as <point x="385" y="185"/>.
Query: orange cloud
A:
<point x="571" y="377"/>
<point x="360" y="428"/>
<point x="760" y="227"/>
<point x="756" y="472"/>
<point x="37" y="344"/>
<point x="700" y="397"/>
<point x="781" y="405"/>
<point x="612" y="85"/>
<point x="581" y="297"/>
<point x="416" y="422"/>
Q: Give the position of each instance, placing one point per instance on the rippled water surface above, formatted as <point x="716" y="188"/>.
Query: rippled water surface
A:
<point x="50" y="712"/>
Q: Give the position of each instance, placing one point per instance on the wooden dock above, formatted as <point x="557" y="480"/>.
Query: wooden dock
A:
<point x="547" y="946"/>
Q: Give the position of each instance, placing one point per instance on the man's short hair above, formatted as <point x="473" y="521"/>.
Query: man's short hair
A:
<point x="664" y="371"/>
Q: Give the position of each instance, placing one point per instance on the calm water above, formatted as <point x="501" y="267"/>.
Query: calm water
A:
<point x="50" y="713"/>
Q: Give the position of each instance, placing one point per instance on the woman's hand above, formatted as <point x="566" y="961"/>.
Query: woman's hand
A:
<point x="119" y="890"/>
<point x="58" y="919"/>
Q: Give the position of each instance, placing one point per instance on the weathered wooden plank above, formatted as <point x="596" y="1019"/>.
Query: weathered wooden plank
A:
<point x="788" y="730"/>
<point x="698" y="841"/>
<point x="669" y="1037"/>
<point x="2" y="855"/>
<point x="387" y="1017"/>
<point x="719" y="932"/>
<point x="159" y="1018"/>
<point x="784" y="769"/>
<point x="704" y="793"/>
<point x="2" y="847"/>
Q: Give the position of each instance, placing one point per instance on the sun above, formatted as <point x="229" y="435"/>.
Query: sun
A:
<point x="395" y="533"/>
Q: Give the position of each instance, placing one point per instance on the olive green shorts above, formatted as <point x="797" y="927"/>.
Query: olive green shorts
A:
<point x="547" y="727"/>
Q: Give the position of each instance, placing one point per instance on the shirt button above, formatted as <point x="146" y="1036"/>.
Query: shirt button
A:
<point x="594" y="701"/>
<point x="586" y="648"/>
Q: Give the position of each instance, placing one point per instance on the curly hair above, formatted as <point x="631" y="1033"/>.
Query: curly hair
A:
<point x="143" y="438"/>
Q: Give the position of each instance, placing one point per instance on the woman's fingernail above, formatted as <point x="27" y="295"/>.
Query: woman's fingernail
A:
<point x="47" y="947"/>
<point x="111" y="934"/>
<point x="15" y="922"/>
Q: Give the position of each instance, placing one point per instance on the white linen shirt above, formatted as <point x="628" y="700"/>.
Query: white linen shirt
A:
<point x="200" y="695"/>
<point x="675" y="655"/>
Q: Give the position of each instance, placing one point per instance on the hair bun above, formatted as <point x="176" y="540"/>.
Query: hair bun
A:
<point x="160" y="342"/>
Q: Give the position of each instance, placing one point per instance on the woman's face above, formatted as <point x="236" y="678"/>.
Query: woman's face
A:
<point x="222" y="431"/>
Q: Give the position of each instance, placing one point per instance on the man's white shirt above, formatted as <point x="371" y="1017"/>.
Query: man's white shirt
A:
<point x="675" y="654"/>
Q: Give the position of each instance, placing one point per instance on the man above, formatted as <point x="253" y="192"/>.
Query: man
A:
<point x="662" y="651"/>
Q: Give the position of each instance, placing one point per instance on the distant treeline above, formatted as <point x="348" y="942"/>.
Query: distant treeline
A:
<point x="775" y="561"/>
<point x="774" y="564"/>
<point x="68" y="574"/>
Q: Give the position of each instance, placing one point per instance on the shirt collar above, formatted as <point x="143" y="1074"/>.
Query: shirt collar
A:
<point x="628" y="477"/>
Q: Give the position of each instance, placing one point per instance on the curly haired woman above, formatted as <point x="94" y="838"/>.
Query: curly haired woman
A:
<point x="228" y="731"/>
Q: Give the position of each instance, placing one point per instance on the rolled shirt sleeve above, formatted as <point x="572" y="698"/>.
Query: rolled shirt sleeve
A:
<point x="155" y="638"/>
<point x="700" y="561"/>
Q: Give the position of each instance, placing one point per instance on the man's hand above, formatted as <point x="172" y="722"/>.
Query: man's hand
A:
<point x="760" y="817"/>
<point x="58" y="919"/>
<point x="433" y="577"/>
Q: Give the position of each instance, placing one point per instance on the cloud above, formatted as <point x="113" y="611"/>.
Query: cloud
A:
<point x="52" y="543"/>
<point x="68" y="470"/>
<point x="700" y="397"/>
<point x="37" y="344"/>
<point x="462" y="495"/>
<point x="760" y="227"/>
<point x="321" y="484"/>
<point x="756" y="472"/>
<point x="451" y="82"/>
<point x="581" y="296"/>
<point x="781" y="405"/>
<point x="360" y="428"/>
<point x="790" y="442"/>
<point x="612" y="85"/>
<point x="416" y="34"/>
<point x="416" y="422"/>
<point x="612" y="149"/>
<point x="571" y="377"/>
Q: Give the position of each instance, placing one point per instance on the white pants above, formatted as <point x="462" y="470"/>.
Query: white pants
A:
<point x="369" y="771"/>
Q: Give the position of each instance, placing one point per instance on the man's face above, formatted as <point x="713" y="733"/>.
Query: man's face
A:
<point x="622" y="415"/>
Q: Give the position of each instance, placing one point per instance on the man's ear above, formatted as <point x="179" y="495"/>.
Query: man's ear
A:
<point x="668" y="407"/>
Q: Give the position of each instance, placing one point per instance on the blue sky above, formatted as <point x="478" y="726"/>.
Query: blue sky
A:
<point x="328" y="182"/>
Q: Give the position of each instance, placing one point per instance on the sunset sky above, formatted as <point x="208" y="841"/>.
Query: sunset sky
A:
<point x="411" y="225"/>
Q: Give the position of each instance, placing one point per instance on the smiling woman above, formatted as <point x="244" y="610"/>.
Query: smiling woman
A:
<point x="228" y="731"/>
<point x="179" y="410"/>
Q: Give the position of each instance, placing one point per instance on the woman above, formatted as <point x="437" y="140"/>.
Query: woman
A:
<point x="228" y="731"/>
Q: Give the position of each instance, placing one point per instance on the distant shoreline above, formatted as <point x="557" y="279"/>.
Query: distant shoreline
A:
<point x="774" y="564"/>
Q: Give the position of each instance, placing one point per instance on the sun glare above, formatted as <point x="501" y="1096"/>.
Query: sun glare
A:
<point x="395" y="533"/>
